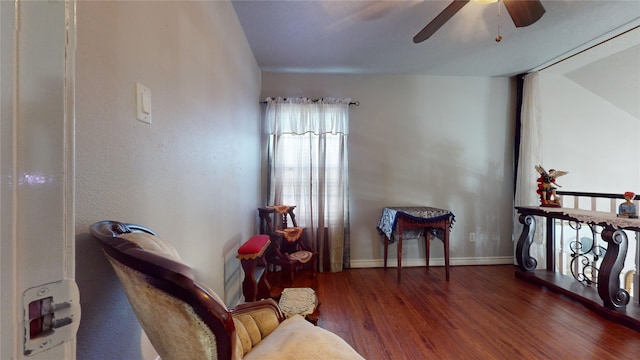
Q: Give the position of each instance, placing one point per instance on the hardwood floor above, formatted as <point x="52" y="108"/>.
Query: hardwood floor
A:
<point x="484" y="312"/>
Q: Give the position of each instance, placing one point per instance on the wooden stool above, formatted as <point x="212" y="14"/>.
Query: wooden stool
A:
<point x="255" y="285"/>
<point x="299" y="301"/>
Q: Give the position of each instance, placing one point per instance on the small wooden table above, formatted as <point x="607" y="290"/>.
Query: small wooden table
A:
<point x="397" y="220"/>
<point x="251" y="254"/>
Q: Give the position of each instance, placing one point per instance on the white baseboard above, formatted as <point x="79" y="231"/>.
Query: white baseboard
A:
<point x="497" y="260"/>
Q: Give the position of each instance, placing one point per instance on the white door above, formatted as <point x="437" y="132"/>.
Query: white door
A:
<point x="38" y="297"/>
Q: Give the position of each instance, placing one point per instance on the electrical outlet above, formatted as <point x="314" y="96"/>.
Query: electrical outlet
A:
<point x="472" y="237"/>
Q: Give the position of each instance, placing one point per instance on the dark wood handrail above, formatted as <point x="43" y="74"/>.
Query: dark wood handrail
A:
<point x="600" y="195"/>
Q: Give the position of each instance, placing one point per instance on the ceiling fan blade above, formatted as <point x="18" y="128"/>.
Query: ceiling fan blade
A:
<point x="439" y="20"/>
<point x="524" y="13"/>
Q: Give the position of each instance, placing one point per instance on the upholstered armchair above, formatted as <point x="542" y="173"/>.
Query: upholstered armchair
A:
<point x="184" y="319"/>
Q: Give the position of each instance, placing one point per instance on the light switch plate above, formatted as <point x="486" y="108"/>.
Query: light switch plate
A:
<point x="143" y="103"/>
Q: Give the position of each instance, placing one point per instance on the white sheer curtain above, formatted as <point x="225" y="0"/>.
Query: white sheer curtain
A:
<point x="308" y="168"/>
<point x="530" y="155"/>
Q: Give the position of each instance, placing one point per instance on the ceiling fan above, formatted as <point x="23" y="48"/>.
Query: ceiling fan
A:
<point x="522" y="12"/>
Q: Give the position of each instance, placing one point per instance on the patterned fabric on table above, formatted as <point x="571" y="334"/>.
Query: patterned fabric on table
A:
<point x="421" y="214"/>
<point x="291" y="234"/>
<point x="301" y="256"/>
<point x="280" y="209"/>
<point x="595" y="217"/>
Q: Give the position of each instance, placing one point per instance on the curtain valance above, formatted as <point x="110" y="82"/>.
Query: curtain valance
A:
<point x="303" y="115"/>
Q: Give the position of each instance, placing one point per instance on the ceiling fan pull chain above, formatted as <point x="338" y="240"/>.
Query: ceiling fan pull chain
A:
<point x="499" y="37"/>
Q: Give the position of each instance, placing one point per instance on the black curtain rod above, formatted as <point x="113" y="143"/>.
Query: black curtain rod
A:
<point x="354" y="103"/>
<point x="589" y="48"/>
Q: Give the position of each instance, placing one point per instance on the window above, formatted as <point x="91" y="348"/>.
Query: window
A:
<point x="300" y="175"/>
<point x="308" y="168"/>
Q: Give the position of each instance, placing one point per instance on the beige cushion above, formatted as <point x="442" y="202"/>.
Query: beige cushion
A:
<point x="251" y="328"/>
<point x="242" y="336"/>
<point x="266" y="320"/>
<point x="298" y="339"/>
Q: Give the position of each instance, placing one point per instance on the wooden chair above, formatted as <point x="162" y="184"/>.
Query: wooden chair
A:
<point x="184" y="319"/>
<point x="288" y="247"/>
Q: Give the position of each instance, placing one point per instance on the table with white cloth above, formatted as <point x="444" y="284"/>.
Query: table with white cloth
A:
<point x="413" y="221"/>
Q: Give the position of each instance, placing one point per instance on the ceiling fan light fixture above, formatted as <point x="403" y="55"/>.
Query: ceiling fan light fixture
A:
<point x="485" y="1"/>
<point x="522" y="12"/>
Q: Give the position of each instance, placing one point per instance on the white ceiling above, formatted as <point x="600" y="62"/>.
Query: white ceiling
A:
<point x="376" y="36"/>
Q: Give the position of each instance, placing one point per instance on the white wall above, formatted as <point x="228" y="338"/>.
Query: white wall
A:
<point x="588" y="136"/>
<point x="421" y="140"/>
<point x="589" y="104"/>
<point x="192" y="175"/>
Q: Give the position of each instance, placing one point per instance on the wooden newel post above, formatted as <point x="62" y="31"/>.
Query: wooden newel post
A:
<point x="609" y="289"/>
<point x="525" y="261"/>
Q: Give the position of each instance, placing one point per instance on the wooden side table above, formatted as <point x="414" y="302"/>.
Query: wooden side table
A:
<point x="395" y="220"/>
